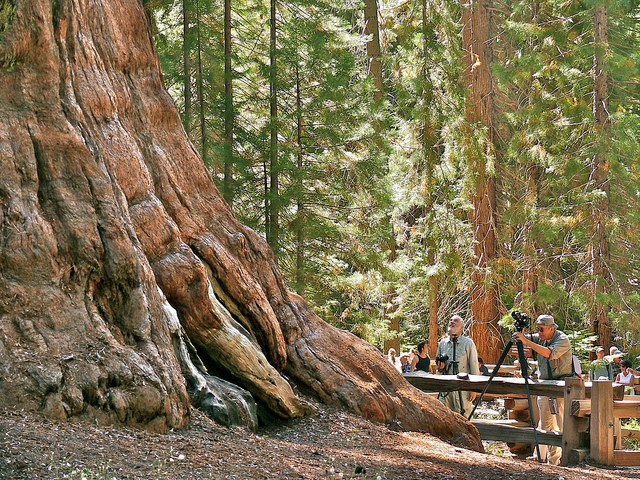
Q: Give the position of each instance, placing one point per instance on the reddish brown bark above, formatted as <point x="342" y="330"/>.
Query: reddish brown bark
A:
<point x="476" y="36"/>
<point x="600" y="250"/>
<point x="125" y="276"/>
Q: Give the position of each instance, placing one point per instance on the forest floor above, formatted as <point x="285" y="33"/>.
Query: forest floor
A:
<point x="329" y="445"/>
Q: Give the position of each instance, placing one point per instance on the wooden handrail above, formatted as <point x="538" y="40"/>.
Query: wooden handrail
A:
<point x="499" y="385"/>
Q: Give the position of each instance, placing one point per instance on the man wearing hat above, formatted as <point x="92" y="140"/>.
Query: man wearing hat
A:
<point x="555" y="362"/>
<point x="616" y="357"/>
<point x="600" y="367"/>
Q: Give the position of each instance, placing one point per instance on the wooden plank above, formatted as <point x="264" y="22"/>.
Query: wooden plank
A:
<point x="515" y="432"/>
<point x="580" y="408"/>
<point x="601" y="434"/>
<point x="626" y="409"/>
<point x="621" y="408"/>
<point x="475" y="383"/>
<point x="504" y="369"/>
<point x="498" y="385"/>
<point x="574" y="390"/>
<point x="516" y="404"/>
<point x="618" y="441"/>
<point x="626" y="458"/>
<point x="628" y="433"/>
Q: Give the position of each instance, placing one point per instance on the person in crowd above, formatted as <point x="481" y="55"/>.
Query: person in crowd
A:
<point x="553" y="350"/>
<point x="626" y="377"/>
<point x="393" y="359"/>
<point x="616" y="357"/>
<point x="577" y="366"/>
<point x="405" y="364"/>
<point x="600" y="367"/>
<point x="412" y="355"/>
<point x="464" y="361"/>
<point x="421" y="360"/>
<point x="484" y="370"/>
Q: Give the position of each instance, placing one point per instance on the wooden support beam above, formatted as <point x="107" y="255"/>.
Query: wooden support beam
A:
<point x="621" y="408"/>
<point x="574" y="390"/>
<point x="601" y="434"/>
<point x="618" y="441"/>
<point x="516" y="432"/>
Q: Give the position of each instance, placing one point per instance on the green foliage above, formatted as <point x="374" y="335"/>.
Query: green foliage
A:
<point x="7" y="12"/>
<point x="631" y="424"/>
<point x="373" y="196"/>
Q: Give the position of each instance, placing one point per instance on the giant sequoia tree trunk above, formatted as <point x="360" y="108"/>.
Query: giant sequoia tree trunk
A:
<point x="128" y="292"/>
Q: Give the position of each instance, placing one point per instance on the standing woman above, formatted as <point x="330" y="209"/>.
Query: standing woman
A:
<point x="421" y="361"/>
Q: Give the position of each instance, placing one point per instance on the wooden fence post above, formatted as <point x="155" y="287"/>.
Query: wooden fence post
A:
<point x="601" y="435"/>
<point x="573" y="426"/>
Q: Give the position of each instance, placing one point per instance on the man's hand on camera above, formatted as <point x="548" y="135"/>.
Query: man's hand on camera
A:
<point x="519" y="337"/>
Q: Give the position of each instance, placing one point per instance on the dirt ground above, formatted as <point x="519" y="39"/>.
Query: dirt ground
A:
<point x="330" y="445"/>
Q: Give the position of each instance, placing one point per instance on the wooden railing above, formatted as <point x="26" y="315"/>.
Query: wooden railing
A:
<point x="591" y="417"/>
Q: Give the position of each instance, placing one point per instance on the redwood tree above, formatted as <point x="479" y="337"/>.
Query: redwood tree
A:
<point x="476" y="38"/>
<point x="128" y="291"/>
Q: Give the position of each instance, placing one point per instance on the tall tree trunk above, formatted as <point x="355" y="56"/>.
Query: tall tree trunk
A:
<point x="273" y="219"/>
<point x="600" y="252"/>
<point x="476" y="37"/>
<point x="186" y="62"/>
<point x="229" y="114"/>
<point x="202" y="111"/>
<point x="530" y="272"/>
<point x="126" y="282"/>
<point x="300" y="206"/>
<point x="372" y="29"/>
<point x="429" y="140"/>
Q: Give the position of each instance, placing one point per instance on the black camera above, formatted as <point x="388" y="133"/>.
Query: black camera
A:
<point x="442" y="359"/>
<point x="521" y="320"/>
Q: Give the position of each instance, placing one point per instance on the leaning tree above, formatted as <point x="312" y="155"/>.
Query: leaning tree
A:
<point x="128" y="291"/>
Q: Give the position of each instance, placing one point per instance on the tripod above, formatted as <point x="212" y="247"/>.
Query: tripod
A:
<point x="453" y="364"/>
<point x="525" y="374"/>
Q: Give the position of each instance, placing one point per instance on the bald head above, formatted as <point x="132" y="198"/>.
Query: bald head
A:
<point x="455" y="326"/>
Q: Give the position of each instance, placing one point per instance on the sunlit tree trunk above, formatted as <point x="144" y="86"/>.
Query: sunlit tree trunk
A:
<point x="600" y="252"/>
<point x="300" y="214"/>
<point x="229" y="114"/>
<point x="186" y="61"/>
<point x="476" y="35"/>
<point x="429" y="140"/>
<point x="273" y="218"/>
<point x="372" y="30"/>
<point x="530" y="271"/>
<point x="202" y="109"/>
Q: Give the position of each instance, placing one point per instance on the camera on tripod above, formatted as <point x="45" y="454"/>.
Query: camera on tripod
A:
<point x="441" y="363"/>
<point x="442" y="359"/>
<point x="520" y="320"/>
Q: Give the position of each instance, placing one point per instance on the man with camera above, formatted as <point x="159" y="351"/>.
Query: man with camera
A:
<point x="553" y="350"/>
<point x="457" y="354"/>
